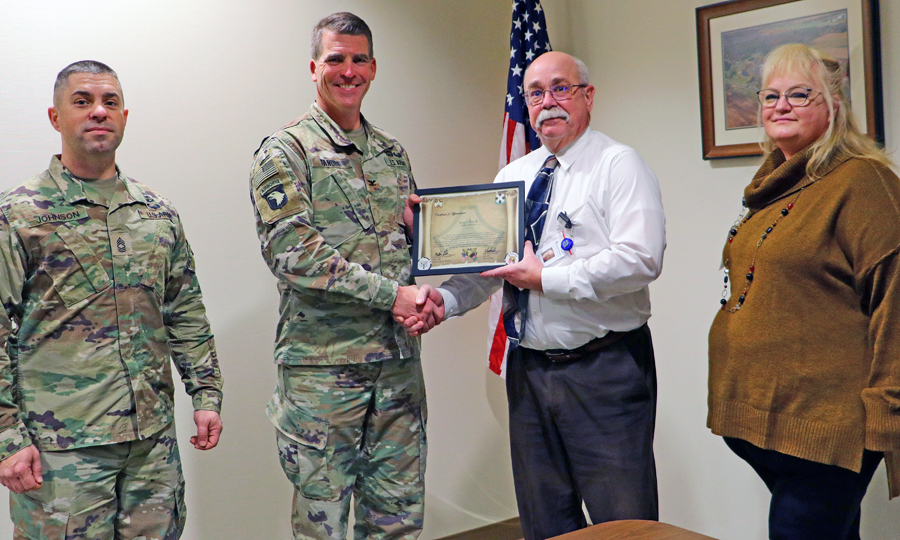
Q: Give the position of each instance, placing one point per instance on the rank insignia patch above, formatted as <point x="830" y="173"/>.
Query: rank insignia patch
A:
<point x="150" y="202"/>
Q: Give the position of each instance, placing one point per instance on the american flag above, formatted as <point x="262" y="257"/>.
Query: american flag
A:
<point x="527" y="40"/>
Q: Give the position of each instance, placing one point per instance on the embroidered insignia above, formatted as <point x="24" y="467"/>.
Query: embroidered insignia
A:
<point x="162" y="214"/>
<point x="122" y="245"/>
<point x="276" y="197"/>
<point x="56" y="217"/>
<point x="151" y="203"/>
<point x="273" y="191"/>
<point x="266" y="170"/>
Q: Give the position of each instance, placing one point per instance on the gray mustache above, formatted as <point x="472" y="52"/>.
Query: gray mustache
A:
<point x="549" y="114"/>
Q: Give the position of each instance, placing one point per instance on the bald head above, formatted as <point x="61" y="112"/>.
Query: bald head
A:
<point x="561" y="57"/>
<point x="558" y="122"/>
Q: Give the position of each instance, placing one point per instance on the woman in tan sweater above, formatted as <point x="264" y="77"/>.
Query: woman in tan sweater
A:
<point x="804" y="355"/>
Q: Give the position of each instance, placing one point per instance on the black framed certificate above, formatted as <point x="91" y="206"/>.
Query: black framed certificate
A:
<point x="468" y="228"/>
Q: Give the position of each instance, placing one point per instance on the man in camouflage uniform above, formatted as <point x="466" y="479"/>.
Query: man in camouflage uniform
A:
<point x="99" y="296"/>
<point x="329" y="193"/>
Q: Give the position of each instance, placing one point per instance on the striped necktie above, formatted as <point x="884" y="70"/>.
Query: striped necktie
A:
<point x="538" y="200"/>
<point x="536" y="206"/>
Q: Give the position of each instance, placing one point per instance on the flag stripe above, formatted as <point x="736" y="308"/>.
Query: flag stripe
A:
<point x="497" y="340"/>
<point x="510" y="139"/>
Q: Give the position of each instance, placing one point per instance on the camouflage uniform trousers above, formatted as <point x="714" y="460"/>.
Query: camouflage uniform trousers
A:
<point x="374" y="416"/>
<point x="121" y="491"/>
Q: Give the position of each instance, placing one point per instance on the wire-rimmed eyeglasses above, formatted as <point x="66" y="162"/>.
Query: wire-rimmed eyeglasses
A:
<point x="560" y="92"/>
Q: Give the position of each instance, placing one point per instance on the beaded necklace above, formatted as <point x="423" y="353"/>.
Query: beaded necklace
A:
<point x="742" y="218"/>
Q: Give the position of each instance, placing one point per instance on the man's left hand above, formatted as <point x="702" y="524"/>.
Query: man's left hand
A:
<point x="408" y="215"/>
<point x="525" y="274"/>
<point x="209" y="427"/>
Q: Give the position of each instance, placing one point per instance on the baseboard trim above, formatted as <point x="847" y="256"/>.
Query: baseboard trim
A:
<point x="510" y="529"/>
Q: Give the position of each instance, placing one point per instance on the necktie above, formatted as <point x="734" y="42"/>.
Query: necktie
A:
<point x="536" y="205"/>
<point x="538" y="200"/>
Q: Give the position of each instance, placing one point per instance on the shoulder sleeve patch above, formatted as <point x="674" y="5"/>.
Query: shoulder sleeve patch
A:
<point x="274" y="192"/>
<point x="265" y="171"/>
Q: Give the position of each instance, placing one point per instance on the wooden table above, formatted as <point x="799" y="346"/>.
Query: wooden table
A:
<point x="633" y="529"/>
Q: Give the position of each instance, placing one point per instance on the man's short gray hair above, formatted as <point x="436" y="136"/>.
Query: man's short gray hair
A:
<point x="580" y="66"/>
<point x="82" y="66"/>
<point x="582" y="71"/>
<point x="340" y="23"/>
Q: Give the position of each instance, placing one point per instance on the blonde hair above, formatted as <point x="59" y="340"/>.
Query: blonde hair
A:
<point x="842" y="139"/>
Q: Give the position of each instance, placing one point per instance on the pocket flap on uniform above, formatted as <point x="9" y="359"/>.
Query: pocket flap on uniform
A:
<point x="356" y="195"/>
<point x="296" y="423"/>
<point x="87" y="258"/>
<point x="76" y="271"/>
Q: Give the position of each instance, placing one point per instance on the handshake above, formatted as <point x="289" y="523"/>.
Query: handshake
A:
<point x="418" y="309"/>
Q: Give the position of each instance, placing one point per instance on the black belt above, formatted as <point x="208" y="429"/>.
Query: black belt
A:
<point x="592" y="346"/>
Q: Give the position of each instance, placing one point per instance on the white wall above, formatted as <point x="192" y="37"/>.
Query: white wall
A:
<point x="205" y="80"/>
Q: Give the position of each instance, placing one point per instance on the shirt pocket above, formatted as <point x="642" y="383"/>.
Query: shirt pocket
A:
<point x="306" y="454"/>
<point x="156" y="258"/>
<point x="589" y="234"/>
<point x="388" y="198"/>
<point x="339" y="212"/>
<point x="75" y="268"/>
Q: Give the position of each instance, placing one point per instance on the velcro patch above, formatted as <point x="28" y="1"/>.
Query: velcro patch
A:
<point x="121" y="244"/>
<point x="265" y="171"/>
<point x="275" y="195"/>
<point x="57" y="217"/>
<point x="333" y="161"/>
<point x="156" y="214"/>
<point x="396" y="163"/>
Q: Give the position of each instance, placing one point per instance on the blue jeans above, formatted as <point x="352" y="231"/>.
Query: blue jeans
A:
<point x="810" y="501"/>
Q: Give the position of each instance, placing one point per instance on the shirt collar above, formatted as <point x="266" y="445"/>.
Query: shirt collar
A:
<point x="570" y="153"/>
<point x="339" y="137"/>
<point x="73" y="191"/>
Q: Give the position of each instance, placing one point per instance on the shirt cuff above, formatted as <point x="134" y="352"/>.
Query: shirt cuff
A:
<point x="13" y="439"/>
<point x="207" y="400"/>
<point x="555" y="282"/>
<point x="451" y="306"/>
<point x="386" y="294"/>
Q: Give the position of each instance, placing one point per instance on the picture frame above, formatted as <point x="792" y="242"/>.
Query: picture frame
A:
<point x="733" y="38"/>
<point x="467" y="229"/>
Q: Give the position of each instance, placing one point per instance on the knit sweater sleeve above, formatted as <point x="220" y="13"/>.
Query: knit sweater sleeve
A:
<point x="879" y="289"/>
<point x="881" y="397"/>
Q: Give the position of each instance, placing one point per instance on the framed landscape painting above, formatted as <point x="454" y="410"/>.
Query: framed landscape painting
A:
<point x="734" y="38"/>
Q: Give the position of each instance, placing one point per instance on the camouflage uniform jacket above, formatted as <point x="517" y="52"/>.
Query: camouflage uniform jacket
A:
<point x="330" y="221"/>
<point x="97" y="302"/>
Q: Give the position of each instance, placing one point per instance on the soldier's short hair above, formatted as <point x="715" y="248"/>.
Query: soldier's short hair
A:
<point x="340" y="23"/>
<point x="82" y="66"/>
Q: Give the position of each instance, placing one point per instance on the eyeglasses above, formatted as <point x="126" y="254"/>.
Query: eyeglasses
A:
<point x="798" y="96"/>
<point x="560" y="92"/>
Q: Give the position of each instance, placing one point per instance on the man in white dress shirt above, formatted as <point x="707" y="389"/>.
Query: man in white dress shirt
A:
<point x="581" y="380"/>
